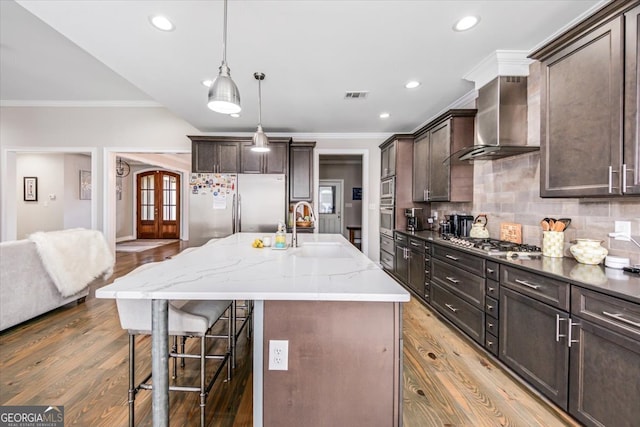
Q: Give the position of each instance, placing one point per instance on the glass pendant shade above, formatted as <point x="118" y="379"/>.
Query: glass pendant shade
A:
<point x="224" y="96"/>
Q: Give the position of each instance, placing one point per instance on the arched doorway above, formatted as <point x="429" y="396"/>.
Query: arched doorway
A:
<point x="158" y="205"/>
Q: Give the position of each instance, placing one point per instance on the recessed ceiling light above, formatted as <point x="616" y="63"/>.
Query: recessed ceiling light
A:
<point x="161" y="23"/>
<point x="384" y="115"/>
<point x="234" y="115"/>
<point x="412" y="84"/>
<point x="207" y="82"/>
<point x="466" y="23"/>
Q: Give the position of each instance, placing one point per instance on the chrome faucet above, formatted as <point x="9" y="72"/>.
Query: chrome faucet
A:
<point x="294" y="236"/>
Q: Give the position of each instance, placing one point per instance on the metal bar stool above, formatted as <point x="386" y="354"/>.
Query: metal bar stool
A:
<point x="186" y="319"/>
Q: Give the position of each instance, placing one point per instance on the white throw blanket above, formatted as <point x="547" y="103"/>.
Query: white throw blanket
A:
<point x="73" y="258"/>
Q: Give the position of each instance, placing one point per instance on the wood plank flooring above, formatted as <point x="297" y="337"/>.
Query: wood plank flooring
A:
<point x="77" y="356"/>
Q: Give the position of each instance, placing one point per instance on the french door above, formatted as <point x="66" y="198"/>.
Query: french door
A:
<point x="158" y="205"/>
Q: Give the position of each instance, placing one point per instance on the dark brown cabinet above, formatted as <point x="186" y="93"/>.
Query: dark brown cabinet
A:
<point x="531" y="346"/>
<point x="276" y="160"/>
<point x="388" y="160"/>
<point x="409" y="263"/>
<point x="301" y="171"/>
<point x="605" y="355"/>
<point x="631" y="156"/>
<point x="435" y="178"/>
<point x="214" y="155"/>
<point x="534" y="321"/>
<point x="401" y="268"/>
<point x="589" y="116"/>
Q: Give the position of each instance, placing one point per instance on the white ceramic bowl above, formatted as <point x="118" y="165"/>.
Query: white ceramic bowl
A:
<point x="616" y="262"/>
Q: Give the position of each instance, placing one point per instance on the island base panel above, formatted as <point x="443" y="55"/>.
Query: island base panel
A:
<point x="344" y="363"/>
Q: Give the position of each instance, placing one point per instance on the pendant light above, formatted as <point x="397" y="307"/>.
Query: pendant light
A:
<point x="122" y="168"/>
<point x="224" y="96"/>
<point x="260" y="140"/>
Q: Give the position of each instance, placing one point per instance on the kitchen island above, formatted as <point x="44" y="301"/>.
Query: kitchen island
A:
<point x="340" y="313"/>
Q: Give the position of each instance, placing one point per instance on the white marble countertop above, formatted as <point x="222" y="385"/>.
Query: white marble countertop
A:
<point x="231" y="268"/>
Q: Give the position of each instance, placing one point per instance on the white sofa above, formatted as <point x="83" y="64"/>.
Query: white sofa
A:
<point x="26" y="289"/>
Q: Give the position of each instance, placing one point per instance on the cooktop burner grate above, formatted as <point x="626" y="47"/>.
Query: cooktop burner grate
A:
<point x="493" y="246"/>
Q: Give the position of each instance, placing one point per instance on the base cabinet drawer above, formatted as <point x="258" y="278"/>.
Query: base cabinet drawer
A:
<point x="491" y="343"/>
<point x="387" y="260"/>
<point x="461" y="313"/>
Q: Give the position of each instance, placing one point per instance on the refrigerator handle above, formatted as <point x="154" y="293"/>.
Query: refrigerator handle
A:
<point x="233" y="215"/>
<point x="239" y="213"/>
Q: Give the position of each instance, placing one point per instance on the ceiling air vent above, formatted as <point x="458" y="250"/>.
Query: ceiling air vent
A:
<point x="362" y="94"/>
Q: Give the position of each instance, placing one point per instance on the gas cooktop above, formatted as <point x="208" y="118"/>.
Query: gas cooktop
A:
<point x="494" y="247"/>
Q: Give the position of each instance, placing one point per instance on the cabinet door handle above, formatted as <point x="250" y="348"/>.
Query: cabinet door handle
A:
<point x="491" y="289"/>
<point x="527" y="284"/>
<point x="558" y="335"/>
<point x="490" y="270"/>
<point x="452" y="257"/>
<point x="569" y="339"/>
<point x="452" y="308"/>
<point x="489" y="307"/>
<point x="618" y="316"/>
<point x="611" y="172"/>
<point x="490" y="325"/>
<point x="452" y="280"/>
<point x="414" y="244"/>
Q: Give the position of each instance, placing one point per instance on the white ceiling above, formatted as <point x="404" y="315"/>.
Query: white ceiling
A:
<point x="105" y="52"/>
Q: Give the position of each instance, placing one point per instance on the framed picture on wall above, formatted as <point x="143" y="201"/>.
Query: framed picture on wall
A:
<point x="30" y="189"/>
<point x="85" y="185"/>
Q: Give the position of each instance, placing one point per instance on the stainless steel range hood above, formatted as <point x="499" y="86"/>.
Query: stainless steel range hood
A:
<point x="501" y="121"/>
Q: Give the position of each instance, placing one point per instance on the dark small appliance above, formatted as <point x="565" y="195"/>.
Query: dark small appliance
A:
<point x="460" y="224"/>
<point x="414" y="219"/>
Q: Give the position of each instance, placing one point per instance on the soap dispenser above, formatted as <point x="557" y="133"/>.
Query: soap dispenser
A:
<point x="281" y="236"/>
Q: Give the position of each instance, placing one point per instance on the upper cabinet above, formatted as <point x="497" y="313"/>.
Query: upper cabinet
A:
<point x="388" y="160"/>
<point x="214" y="154"/>
<point x="276" y="160"/>
<point x="217" y="155"/>
<point x="589" y="111"/>
<point x="301" y="171"/>
<point x="435" y="177"/>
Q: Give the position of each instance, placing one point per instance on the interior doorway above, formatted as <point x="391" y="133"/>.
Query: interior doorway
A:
<point x="345" y="168"/>
<point x="158" y="205"/>
<point x="330" y="205"/>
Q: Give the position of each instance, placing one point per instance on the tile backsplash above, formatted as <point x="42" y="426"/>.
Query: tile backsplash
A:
<point x="508" y="190"/>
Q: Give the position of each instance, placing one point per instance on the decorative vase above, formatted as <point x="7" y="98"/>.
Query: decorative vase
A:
<point x="588" y="251"/>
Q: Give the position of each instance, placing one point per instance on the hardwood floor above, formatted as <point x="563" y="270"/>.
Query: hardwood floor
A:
<point x="77" y="356"/>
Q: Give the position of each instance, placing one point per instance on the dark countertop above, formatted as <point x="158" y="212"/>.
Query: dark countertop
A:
<point x="599" y="278"/>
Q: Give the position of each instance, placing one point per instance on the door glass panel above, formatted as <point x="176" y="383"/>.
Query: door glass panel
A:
<point x="147" y="196"/>
<point x="169" y="190"/>
<point x="327" y="196"/>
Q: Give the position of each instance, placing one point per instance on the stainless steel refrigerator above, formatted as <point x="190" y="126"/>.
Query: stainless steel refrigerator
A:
<point x="223" y="204"/>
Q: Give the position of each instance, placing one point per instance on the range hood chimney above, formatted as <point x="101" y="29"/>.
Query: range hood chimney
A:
<point x="501" y="121"/>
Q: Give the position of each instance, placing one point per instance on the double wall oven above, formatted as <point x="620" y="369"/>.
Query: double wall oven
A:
<point x="387" y="206"/>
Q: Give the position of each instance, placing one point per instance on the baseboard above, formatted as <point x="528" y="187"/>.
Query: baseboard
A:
<point x="125" y="238"/>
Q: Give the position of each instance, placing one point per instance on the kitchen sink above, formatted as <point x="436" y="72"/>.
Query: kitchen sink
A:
<point x="322" y="250"/>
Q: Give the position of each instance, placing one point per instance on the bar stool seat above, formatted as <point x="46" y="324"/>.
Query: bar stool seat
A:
<point x="186" y="319"/>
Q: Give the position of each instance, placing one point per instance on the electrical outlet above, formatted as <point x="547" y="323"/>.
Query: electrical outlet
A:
<point x="278" y="355"/>
<point x="624" y="228"/>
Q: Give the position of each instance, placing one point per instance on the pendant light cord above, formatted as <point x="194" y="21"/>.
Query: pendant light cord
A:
<point x="260" y="102"/>
<point x="224" y="36"/>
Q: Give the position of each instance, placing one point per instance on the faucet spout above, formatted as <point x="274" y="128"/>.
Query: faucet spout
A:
<point x="294" y="234"/>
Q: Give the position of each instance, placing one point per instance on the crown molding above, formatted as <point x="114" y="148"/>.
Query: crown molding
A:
<point x="80" y="104"/>
<point x="462" y="102"/>
<point x="309" y="136"/>
<point x="499" y="63"/>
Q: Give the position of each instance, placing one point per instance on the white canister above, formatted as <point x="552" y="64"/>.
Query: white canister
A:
<point x="552" y="243"/>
